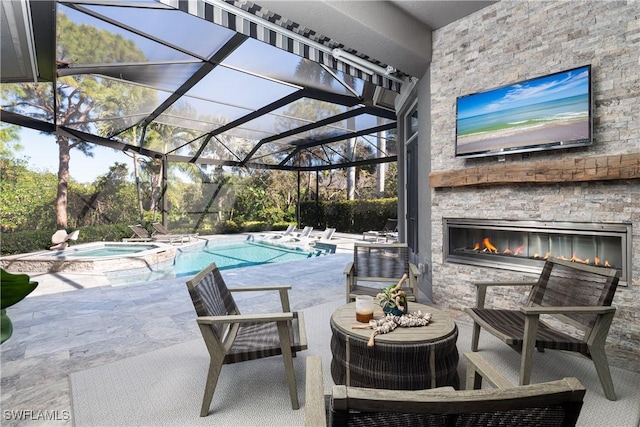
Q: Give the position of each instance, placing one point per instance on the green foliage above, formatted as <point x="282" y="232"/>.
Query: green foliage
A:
<point x="230" y="227"/>
<point x="27" y="197"/>
<point x="21" y="242"/>
<point x="26" y="241"/>
<point x="250" y="226"/>
<point x="13" y="289"/>
<point x="351" y="216"/>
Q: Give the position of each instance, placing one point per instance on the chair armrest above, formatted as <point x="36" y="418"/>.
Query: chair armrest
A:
<point x="564" y="310"/>
<point x="314" y="406"/>
<point x="479" y="369"/>
<point x="487" y="284"/>
<point x="260" y="288"/>
<point x="413" y="270"/>
<point x="244" y="318"/>
<point x="349" y="268"/>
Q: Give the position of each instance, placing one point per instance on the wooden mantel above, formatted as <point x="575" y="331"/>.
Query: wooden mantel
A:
<point x="623" y="166"/>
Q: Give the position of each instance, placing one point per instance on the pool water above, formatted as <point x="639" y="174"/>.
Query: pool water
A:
<point x="234" y="255"/>
<point x="103" y="251"/>
<point x="226" y="255"/>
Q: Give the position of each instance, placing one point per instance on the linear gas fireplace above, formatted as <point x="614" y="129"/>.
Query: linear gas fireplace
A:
<point x="525" y="245"/>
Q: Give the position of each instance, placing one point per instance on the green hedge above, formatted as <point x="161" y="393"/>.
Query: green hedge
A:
<point x="20" y="242"/>
<point x="350" y="216"/>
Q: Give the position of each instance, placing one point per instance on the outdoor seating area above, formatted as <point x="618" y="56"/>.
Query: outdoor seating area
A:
<point x="320" y="213"/>
<point x="178" y="358"/>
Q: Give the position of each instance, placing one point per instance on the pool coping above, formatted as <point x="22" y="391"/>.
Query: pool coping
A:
<point x="51" y="262"/>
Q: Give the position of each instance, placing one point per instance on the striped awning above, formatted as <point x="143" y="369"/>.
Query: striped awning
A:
<point x="253" y="21"/>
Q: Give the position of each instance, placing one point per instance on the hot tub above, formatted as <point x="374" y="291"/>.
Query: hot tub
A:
<point x="93" y="257"/>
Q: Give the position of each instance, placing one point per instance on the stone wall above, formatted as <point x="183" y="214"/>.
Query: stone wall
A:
<point x="512" y="41"/>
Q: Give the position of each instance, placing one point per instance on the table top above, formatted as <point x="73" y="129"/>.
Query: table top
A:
<point x="441" y="325"/>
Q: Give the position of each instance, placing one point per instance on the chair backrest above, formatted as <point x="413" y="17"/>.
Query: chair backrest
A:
<point x="327" y="234"/>
<point x="159" y="228"/>
<point x="390" y="261"/>
<point x="564" y="283"/>
<point x="391" y="225"/>
<point x="306" y="232"/>
<point x="140" y="231"/>
<point x="211" y="297"/>
<point x="554" y="403"/>
<point x="289" y="230"/>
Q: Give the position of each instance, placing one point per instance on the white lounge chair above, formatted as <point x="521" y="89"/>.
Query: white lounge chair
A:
<point x="279" y="234"/>
<point x="304" y="234"/>
<point x="60" y="239"/>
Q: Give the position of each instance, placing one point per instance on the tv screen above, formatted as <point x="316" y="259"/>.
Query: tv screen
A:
<point x="544" y="113"/>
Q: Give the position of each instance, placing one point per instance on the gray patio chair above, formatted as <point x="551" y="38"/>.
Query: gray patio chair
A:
<point x="232" y="337"/>
<point x="376" y="265"/>
<point x="571" y="293"/>
<point x="553" y="403"/>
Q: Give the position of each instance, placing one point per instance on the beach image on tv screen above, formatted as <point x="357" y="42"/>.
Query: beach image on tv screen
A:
<point x="540" y="111"/>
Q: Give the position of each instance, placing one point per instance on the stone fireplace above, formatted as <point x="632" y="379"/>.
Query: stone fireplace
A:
<point x="597" y="185"/>
<point x="525" y="245"/>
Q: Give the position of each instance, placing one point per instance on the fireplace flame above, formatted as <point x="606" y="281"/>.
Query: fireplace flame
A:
<point x="575" y="258"/>
<point x="488" y="246"/>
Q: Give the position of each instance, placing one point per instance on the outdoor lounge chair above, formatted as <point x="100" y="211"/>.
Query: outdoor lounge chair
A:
<point x="141" y="234"/>
<point x="60" y="239"/>
<point x="326" y="235"/>
<point x="553" y="403"/>
<point x="161" y="232"/>
<point x="304" y="234"/>
<point x="231" y="337"/>
<point x="572" y="293"/>
<point x="380" y="264"/>
<point x="277" y="235"/>
<point x="309" y="242"/>
<point x="390" y="227"/>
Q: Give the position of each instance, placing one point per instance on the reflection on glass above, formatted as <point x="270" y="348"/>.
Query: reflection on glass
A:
<point x="160" y="23"/>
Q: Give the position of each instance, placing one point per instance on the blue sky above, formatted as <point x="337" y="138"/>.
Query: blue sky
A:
<point x="560" y="85"/>
<point x="41" y="151"/>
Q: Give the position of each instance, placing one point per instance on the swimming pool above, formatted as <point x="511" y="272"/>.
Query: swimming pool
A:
<point x="226" y="254"/>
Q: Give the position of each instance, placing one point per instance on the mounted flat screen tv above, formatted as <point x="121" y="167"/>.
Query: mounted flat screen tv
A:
<point x="544" y="113"/>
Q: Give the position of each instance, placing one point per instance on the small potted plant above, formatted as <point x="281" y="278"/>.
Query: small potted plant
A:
<point x="393" y="299"/>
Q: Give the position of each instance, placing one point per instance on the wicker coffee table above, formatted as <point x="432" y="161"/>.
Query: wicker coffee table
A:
<point x="404" y="359"/>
